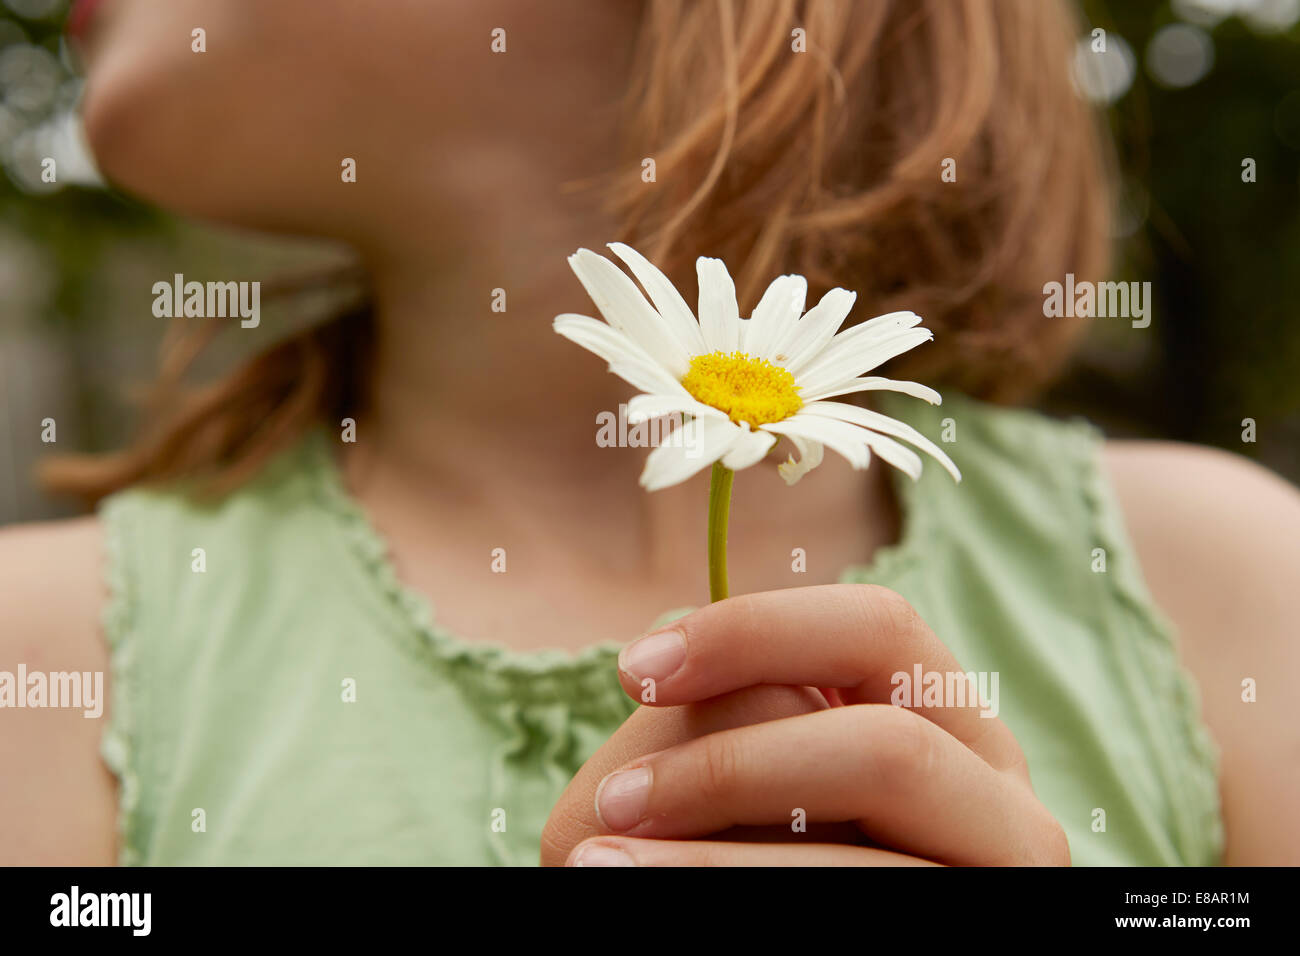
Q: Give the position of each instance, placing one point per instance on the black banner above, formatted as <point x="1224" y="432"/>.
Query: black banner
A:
<point x="923" y="905"/>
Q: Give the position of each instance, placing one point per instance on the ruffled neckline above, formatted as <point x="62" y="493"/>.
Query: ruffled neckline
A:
<point x="373" y="547"/>
<point x="526" y="667"/>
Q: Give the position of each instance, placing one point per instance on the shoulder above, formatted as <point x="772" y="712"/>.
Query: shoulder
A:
<point x="54" y="590"/>
<point x="63" y="810"/>
<point x="1213" y="521"/>
<point x="1218" y="538"/>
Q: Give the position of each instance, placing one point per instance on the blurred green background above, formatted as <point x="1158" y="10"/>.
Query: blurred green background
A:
<point x="1192" y="88"/>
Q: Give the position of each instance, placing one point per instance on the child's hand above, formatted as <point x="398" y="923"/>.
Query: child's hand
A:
<point x="939" y="784"/>
<point x="652" y="729"/>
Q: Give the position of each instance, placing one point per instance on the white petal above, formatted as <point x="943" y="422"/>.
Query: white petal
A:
<point x="873" y="383"/>
<point x="838" y="436"/>
<point x="855" y="338"/>
<point x="690" y="448"/>
<point x="676" y="313"/>
<point x="859" y="441"/>
<point x="749" y="450"/>
<point x="812" y="333"/>
<point x="852" y="362"/>
<point x="642" y="408"/>
<point x="879" y="325"/>
<point x="810" y="456"/>
<point x="885" y="425"/>
<point x="596" y="336"/>
<point x="626" y="359"/>
<point x="626" y="309"/>
<point x="775" y="315"/>
<point x="719" y="314"/>
<point x="648" y="377"/>
<point x="900" y="456"/>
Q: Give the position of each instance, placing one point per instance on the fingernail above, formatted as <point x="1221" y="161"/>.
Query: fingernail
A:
<point x="657" y="656"/>
<point x="621" y="798"/>
<point x="596" y="854"/>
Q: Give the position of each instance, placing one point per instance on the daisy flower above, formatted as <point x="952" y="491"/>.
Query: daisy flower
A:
<point x="748" y="382"/>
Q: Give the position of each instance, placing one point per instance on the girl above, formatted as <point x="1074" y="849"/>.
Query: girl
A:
<point x="286" y="693"/>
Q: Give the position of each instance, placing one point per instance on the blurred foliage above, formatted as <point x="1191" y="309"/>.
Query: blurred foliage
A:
<point x="73" y="225"/>
<point x="1221" y="253"/>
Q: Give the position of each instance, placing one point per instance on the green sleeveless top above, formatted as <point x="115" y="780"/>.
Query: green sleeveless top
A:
<point x="292" y="703"/>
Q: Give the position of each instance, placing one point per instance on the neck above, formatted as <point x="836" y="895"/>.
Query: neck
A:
<point x="466" y="356"/>
<point x="475" y="410"/>
<point x="482" y="412"/>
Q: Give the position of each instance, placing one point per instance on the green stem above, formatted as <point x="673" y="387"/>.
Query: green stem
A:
<point x="719" y="510"/>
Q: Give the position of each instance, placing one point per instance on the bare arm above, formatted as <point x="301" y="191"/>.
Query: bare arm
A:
<point x="1219" y="542"/>
<point x="58" y="802"/>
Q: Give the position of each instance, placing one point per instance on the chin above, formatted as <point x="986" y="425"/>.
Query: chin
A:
<point x="166" y="147"/>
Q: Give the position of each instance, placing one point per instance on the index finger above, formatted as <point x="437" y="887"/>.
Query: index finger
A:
<point x="853" y="637"/>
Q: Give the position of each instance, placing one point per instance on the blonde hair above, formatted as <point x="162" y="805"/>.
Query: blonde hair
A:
<point x="788" y="136"/>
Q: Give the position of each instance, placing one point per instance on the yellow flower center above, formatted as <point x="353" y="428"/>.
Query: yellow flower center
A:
<point x="746" y="388"/>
